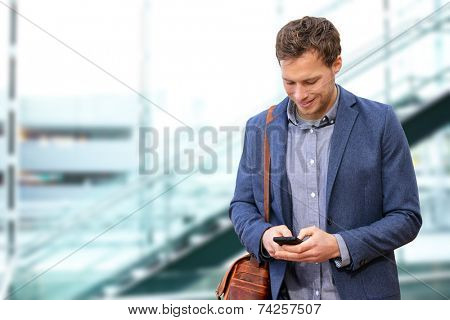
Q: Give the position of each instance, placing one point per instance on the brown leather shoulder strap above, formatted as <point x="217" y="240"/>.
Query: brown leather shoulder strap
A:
<point x="269" y="119"/>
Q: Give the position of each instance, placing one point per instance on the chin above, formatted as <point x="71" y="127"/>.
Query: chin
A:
<point x="308" y="111"/>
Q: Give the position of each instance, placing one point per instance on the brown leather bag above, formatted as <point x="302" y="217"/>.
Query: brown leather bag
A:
<point x="247" y="279"/>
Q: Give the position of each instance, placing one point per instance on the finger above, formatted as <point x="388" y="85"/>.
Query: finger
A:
<point x="300" y="248"/>
<point x="283" y="231"/>
<point x="271" y="249"/>
<point x="305" y="232"/>
<point x="307" y="245"/>
<point x="292" y="249"/>
<point x="308" y="256"/>
<point x="273" y="246"/>
<point x="271" y="252"/>
<point x="284" y="255"/>
<point x="276" y="247"/>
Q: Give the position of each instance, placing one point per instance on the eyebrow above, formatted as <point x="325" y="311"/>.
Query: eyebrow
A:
<point x="305" y="80"/>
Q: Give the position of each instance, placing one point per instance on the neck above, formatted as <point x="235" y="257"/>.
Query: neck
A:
<point x="332" y="101"/>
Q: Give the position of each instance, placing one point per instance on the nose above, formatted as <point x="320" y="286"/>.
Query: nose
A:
<point x="300" y="94"/>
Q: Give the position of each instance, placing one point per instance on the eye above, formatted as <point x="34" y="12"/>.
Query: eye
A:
<point x="311" y="82"/>
<point x="290" y="83"/>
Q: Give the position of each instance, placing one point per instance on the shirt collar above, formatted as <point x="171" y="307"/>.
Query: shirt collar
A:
<point x="296" y="120"/>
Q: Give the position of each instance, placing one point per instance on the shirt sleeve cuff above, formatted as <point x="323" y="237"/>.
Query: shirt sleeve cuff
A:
<point x="344" y="259"/>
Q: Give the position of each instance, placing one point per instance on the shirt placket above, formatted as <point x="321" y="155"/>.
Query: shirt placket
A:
<point x="313" y="197"/>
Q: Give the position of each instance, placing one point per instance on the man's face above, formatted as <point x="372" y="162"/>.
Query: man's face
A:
<point x="310" y="84"/>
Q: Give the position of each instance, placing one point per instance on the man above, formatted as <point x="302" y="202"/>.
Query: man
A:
<point x="342" y="179"/>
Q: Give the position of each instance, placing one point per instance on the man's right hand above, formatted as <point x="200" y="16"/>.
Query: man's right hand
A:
<point x="267" y="238"/>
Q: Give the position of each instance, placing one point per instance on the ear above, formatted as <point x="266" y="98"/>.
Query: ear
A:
<point x="337" y="64"/>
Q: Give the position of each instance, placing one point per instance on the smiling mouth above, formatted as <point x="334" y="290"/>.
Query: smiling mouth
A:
<point x="304" y="105"/>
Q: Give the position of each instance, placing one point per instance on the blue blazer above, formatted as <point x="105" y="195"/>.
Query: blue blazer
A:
<point x="372" y="197"/>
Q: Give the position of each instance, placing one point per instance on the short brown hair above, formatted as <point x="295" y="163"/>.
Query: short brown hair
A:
<point x="308" y="33"/>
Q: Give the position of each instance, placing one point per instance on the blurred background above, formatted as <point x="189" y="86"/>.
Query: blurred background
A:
<point x="79" y="220"/>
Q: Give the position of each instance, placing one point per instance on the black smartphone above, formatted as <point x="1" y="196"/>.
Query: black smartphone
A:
<point x="287" y="240"/>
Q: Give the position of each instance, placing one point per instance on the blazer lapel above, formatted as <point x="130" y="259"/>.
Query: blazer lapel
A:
<point x="277" y="132"/>
<point x="345" y="118"/>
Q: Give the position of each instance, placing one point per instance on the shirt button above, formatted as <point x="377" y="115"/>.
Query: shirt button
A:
<point x="317" y="263"/>
<point x="311" y="130"/>
<point x="317" y="292"/>
<point x="311" y="162"/>
<point x="313" y="195"/>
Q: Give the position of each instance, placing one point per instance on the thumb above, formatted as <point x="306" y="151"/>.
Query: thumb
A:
<point x="286" y="232"/>
<point x="306" y="232"/>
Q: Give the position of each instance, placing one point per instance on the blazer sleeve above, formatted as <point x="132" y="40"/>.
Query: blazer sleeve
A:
<point x="401" y="220"/>
<point x="248" y="222"/>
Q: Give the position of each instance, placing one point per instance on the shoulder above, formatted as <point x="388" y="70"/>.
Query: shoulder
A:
<point x="374" y="112"/>
<point x="366" y="105"/>
<point x="374" y="108"/>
